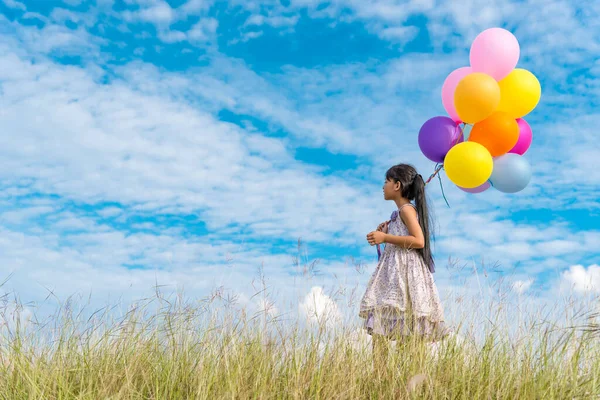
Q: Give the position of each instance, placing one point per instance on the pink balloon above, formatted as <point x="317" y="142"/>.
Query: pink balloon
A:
<point x="477" y="189"/>
<point x="495" y="52"/>
<point x="449" y="87"/>
<point x="525" y="137"/>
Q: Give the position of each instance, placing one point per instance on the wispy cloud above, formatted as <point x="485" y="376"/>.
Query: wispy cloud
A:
<point x="51" y="39"/>
<point x="521" y="287"/>
<point x="274" y="21"/>
<point x="195" y="7"/>
<point x="160" y="14"/>
<point x="111" y="150"/>
<point x="582" y="279"/>
<point x="203" y="31"/>
<point x="14" y="4"/>
<point x="91" y="142"/>
<point x="318" y="308"/>
<point x="62" y="15"/>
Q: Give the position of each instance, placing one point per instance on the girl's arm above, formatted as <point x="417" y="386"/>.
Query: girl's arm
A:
<point x="415" y="239"/>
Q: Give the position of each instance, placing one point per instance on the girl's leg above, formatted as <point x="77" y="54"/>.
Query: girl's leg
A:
<point x="380" y="353"/>
<point x="411" y="346"/>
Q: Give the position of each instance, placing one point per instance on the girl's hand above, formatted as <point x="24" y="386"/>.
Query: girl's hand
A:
<point x="375" y="237"/>
<point x="383" y="227"/>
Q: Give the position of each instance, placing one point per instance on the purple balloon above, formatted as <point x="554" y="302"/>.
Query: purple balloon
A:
<point x="437" y="136"/>
<point x="478" y="189"/>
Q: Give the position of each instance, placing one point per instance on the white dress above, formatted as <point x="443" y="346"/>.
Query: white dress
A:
<point x="401" y="297"/>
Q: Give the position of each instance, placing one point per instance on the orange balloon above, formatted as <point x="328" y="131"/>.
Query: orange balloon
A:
<point x="498" y="133"/>
<point x="476" y="97"/>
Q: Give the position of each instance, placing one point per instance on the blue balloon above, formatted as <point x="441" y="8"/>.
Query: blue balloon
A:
<point x="511" y="173"/>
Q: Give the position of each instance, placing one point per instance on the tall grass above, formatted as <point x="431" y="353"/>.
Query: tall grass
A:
<point x="173" y="348"/>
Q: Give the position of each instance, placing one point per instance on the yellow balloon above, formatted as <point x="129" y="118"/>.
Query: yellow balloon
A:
<point x="468" y="165"/>
<point x="520" y="92"/>
<point x="476" y="97"/>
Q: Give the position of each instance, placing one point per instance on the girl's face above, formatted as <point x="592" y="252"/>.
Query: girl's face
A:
<point x="390" y="189"/>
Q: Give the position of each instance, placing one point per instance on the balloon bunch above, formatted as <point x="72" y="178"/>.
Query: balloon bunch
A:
<point x="492" y="97"/>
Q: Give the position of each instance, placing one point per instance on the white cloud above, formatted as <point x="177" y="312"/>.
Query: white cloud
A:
<point x="246" y="36"/>
<point x="277" y="21"/>
<point x="108" y="212"/>
<point x="521" y="286"/>
<point x="471" y="233"/>
<point x="558" y="247"/>
<point x="61" y="15"/>
<point x="320" y="309"/>
<point x="149" y="140"/>
<point x="162" y="15"/>
<point x="157" y="12"/>
<point x="20" y="215"/>
<point x="93" y="261"/>
<point x="172" y="36"/>
<point x="399" y="33"/>
<point x="15" y="5"/>
<point x="582" y="279"/>
<point x="384" y="18"/>
<point x="51" y="38"/>
<point x="115" y="144"/>
<point x="195" y="7"/>
<point x="203" y="31"/>
<point x="128" y="159"/>
<point x="349" y="121"/>
<point x="561" y="27"/>
<point x="33" y="16"/>
<point x="267" y="307"/>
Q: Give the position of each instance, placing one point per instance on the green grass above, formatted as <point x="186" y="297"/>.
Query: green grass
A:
<point x="165" y="349"/>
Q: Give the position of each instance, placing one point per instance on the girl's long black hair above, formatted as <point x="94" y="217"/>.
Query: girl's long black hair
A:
<point x="413" y="188"/>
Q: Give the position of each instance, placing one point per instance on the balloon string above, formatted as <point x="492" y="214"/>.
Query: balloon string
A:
<point x="442" y="188"/>
<point x="438" y="168"/>
<point x="462" y="133"/>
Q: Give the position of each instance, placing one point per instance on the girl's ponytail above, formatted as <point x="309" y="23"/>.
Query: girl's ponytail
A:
<point x="418" y="192"/>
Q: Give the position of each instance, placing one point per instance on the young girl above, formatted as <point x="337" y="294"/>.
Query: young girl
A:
<point x="401" y="299"/>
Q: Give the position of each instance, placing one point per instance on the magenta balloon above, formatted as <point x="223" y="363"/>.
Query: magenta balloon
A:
<point x="437" y="136"/>
<point x="525" y="138"/>
<point x="477" y="189"/>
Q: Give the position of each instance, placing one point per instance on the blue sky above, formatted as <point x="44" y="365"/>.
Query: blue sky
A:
<point x="191" y="142"/>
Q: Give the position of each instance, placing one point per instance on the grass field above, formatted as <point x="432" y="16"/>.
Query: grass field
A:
<point x="171" y="348"/>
